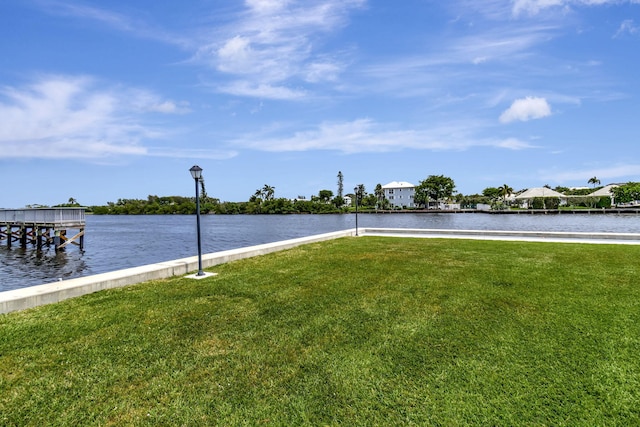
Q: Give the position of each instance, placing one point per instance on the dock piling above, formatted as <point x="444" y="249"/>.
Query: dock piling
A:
<point x="35" y="226"/>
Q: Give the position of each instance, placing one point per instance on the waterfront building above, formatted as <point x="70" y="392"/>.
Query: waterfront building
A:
<point x="400" y="194"/>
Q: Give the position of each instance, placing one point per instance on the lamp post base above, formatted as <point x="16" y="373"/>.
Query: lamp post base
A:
<point x="195" y="275"/>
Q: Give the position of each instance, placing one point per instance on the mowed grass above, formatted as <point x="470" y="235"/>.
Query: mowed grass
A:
<point x="355" y="331"/>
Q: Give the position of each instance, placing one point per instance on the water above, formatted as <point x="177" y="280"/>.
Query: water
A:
<point x="117" y="242"/>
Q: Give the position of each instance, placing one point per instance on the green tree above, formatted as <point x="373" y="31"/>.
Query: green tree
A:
<point x="340" y="184"/>
<point x="594" y="180"/>
<point x="369" y="201"/>
<point x="257" y="196"/>
<point x="325" y="195"/>
<point x="338" y="201"/>
<point x="277" y="206"/>
<point x="627" y="193"/>
<point x="436" y="188"/>
<point x="493" y="193"/>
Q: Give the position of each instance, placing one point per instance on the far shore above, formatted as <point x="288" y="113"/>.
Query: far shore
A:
<point x="509" y="212"/>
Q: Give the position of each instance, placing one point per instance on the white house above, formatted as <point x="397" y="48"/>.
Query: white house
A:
<point x="527" y="197"/>
<point x="400" y="194"/>
<point x="605" y="192"/>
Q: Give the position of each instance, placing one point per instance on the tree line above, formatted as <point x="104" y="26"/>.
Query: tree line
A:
<point x="433" y="189"/>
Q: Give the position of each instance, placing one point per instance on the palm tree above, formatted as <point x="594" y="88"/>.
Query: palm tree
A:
<point x="268" y="192"/>
<point x="505" y="191"/>
<point x="594" y="181"/>
<point x="257" y="196"/>
<point x="379" y="192"/>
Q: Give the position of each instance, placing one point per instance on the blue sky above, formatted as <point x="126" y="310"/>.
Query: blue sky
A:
<point x="108" y="100"/>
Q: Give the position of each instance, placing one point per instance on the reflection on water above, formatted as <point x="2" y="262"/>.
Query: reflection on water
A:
<point x="27" y="266"/>
<point x="117" y="242"/>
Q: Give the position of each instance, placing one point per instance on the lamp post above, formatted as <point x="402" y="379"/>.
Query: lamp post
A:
<point x="355" y="194"/>
<point x="196" y="173"/>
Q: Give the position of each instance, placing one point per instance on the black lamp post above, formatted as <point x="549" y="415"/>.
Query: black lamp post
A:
<point x="196" y="173"/>
<point x="355" y="194"/>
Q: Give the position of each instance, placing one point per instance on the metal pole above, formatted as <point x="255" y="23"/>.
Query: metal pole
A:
<point x="200" y="272"/>
<point x="356" y="196"/>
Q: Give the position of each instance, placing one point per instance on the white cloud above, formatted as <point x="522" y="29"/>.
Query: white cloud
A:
<point x="514" y="144"/>
<point x="322" y="71"/>
<point x="169" y="107"/>
<point x="69" y="117"/>
<point x="236" y="56"/>
<point x="264" y="91"/>
<point x="533" y="7"/>
<point x="627" y="27"/>
<point x="368" y="136"/>
<point x="526" y="109"/>
<point x="266" y="6"/>
<point x="275" y="42"/>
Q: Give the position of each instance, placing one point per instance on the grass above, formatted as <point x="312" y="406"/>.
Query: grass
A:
<point x="355" y="331"/>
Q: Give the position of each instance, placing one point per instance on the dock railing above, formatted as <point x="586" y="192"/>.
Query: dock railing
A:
<point x="53" y="216"/>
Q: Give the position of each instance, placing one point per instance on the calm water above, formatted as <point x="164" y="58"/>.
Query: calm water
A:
<point x="117" y="242"/>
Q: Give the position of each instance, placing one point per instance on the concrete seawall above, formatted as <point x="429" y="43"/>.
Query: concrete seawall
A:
<point x="20" y="299"/>
<point x="33" y="296"/>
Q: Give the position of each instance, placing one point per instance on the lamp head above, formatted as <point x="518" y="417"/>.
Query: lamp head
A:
<point x="196" y="172"/>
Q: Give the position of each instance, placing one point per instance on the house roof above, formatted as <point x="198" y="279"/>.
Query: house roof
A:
<point x="539" y="192"/>
<point x="604" y="191"/>
<point x="398" y="184"/>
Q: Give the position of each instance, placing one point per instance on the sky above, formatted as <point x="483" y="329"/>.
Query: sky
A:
<point x="101" y="101"/>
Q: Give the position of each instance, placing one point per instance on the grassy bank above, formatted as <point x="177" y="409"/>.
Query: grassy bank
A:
<point x="356" y="331"/>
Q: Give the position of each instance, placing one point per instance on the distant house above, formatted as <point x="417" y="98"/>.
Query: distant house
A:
<point x="605" y="192"/>
<point x="400" y="194"/>
<point x="527" y="197"/>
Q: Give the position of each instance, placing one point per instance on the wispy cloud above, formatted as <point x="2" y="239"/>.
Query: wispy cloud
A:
<point x="627" y="27"/>
<point x="475" y="60"/>
<point x="273" y="45"/>
<point x="368" y="136"/>
<point x="70" y="117"/>
<point x="525" y="109"/>
<point x="533" y="7"/>
<point x="260" y="90"/>
<point x="188" y="153"/>
<point x="108" y="18"/>
<point x="609" y="174"/>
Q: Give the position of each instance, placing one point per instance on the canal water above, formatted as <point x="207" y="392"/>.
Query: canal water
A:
<point x="117" y="242"/>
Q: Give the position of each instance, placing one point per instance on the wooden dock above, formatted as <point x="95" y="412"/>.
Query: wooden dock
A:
<point x="42" y="226"/>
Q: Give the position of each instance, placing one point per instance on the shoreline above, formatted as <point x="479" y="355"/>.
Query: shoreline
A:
<point x="509" y="212"/>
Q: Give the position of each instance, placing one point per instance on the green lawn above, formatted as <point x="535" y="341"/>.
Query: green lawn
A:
<point x="355" y="331"/>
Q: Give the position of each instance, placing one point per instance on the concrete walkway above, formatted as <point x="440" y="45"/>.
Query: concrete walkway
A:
<point x="527" y="236"/>
<point x="34" y="296"/>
